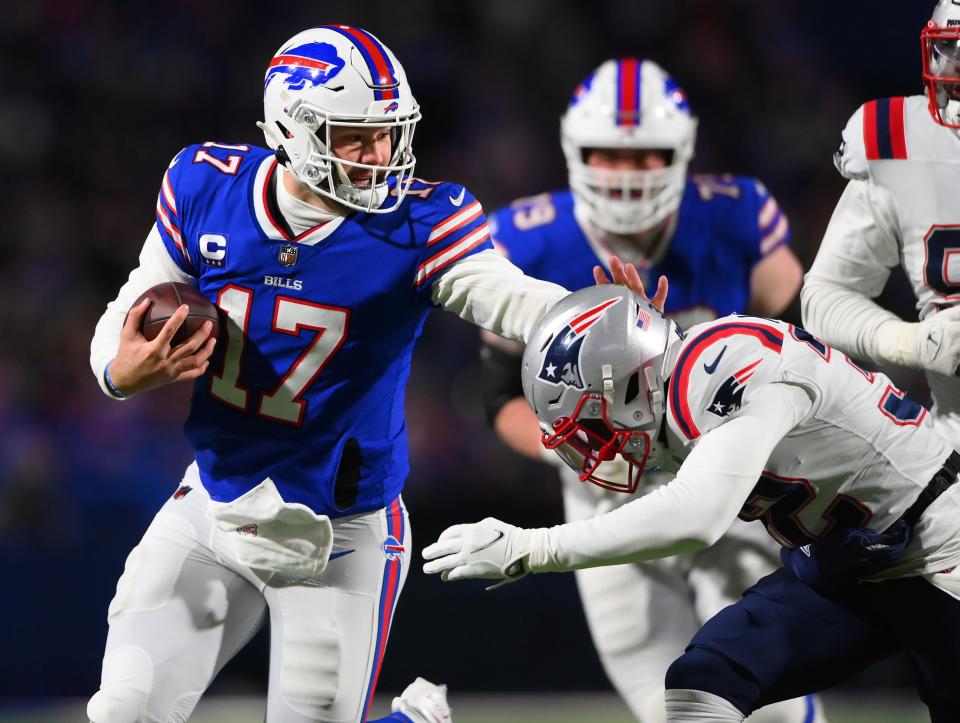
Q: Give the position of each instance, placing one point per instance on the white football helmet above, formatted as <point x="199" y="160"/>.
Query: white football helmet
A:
<point x="593" y="372"/>
<point x="940" y="41"/>
<point x="628" y="103"/>
<point x="339" y="76"/>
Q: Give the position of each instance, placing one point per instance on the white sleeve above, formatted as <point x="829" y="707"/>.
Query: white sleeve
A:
<point x="489" y="291"/>
<point x="859" y="248"/>
<point x="155" y="267"/>
<point x="693" y="510"/>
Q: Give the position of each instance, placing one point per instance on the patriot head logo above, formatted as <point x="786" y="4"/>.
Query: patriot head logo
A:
<point x="729" y="397"/>
<point x="561" y="363"/>
<point x="305" y="66"/>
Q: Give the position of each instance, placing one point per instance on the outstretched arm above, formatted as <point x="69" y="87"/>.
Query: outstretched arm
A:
<point x="689" y="513"/>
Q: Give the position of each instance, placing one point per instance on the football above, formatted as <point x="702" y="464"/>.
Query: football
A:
<point x="166" y="298"/>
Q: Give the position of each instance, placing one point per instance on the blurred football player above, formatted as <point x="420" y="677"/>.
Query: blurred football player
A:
<point x="325" y="254"/>
<point x="628" y="136"/>
<point x="902" y="159"/>
<point x="760" y="420"/>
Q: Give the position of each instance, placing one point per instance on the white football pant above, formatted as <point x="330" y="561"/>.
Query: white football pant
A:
<point x="183" y="609"/>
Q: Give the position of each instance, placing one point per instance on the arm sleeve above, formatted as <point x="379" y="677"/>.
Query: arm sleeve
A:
<point x="859" y="248"/>
<point x="155" y="267"/>
<point x="489" y="291"/>
<point x="693" y="510"/>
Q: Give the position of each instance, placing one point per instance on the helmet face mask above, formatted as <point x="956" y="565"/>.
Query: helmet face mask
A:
<point x="593" y="372"/>
<point x="340" y="77"/>
<point x="940" y="48"/>
<point x="628" y="104"/>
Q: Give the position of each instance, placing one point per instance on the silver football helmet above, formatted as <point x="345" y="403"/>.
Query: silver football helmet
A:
<point x="940" y="41"/>
<point x="594" y="371"/>
<point x="339" y="76"/>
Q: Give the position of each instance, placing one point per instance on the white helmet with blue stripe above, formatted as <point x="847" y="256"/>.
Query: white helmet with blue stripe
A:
<point x="635" y="104"/>
<point x="339" y="76"/>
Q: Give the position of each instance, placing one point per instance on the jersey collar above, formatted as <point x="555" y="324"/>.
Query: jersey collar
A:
<point x="267" y="210"/>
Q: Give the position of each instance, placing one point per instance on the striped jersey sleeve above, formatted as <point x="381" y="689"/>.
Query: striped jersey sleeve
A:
<point x="453" y="227"/>
<point x="772" y="226"/>
<point x="169" y="218"/>
<point x="721" y="364"/>
<point x="875" y="132"/>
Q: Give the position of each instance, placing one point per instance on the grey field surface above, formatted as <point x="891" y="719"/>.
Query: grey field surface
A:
<point x="488" y="708"/>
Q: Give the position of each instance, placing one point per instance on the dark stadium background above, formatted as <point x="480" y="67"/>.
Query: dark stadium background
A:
<point x="98" y="96"/>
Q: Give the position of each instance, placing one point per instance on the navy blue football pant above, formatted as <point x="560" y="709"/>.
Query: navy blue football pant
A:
<point x="785" y="639"/>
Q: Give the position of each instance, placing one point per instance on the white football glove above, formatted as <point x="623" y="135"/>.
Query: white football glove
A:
<point x="489" y="549"/>
<point x="938" y="342"/>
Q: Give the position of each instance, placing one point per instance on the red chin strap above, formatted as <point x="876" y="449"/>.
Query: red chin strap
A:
<point x="933" y="83"/>
<point x="586" y="442"/>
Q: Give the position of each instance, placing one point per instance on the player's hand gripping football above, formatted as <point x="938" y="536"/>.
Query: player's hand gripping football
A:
<point x="938" y="342"/>
<point x="141" y="364"/>
<point x="489" y="549"/>
<point x="627" y="275"/>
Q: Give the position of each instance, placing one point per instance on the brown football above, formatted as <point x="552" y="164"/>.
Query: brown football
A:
<point x="167" y="298"/>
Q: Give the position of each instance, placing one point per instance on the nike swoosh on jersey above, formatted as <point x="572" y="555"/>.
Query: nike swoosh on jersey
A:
<point x="459" y="199"/>
<point x="492" y="542"/>
<point x="335" y="555"/>
<point x="711" y="368"/>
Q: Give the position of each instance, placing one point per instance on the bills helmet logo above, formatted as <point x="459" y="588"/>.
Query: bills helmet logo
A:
<point x="391" y="108"/>
<point x="729" y="397"/>
<point x="392" y="549"/>
<point x="561" y="363"/>
<point x="304" y="66"/>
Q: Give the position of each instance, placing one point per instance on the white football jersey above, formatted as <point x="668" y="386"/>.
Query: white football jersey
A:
<point x="912" y="165"/>
<point x="895" y="145"/>
<point x="860" y="457"/>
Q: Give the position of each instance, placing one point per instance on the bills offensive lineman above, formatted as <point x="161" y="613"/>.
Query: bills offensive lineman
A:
<point x="902" y="159"/>
<point x="757" y="419"/>
<point x="326" y="255"/>
<point x="628" y="136"/>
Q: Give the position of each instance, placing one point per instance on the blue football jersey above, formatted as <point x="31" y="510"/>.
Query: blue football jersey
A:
<point x="307" y="385"/>
<point x="725" y="225"/>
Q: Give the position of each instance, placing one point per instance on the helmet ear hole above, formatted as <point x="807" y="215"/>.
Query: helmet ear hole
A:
<point x="633" y="388"/>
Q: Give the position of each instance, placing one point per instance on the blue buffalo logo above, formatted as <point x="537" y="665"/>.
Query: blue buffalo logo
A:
<point x="305" y="66"/>
<point x="561" y="362"/>
<point x="392" y="548"/>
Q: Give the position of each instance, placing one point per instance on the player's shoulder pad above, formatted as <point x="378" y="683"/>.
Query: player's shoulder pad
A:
<point x="719" y="366"/>
<point x="520" y="229"/>
<point x="875" y="132"/>
<point x="435" y="203"/>
<point x="202" y="167"/>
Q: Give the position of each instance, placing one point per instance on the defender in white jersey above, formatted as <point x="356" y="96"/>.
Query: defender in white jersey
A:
<point x="762" y="421"/>
<point x="902" y="159"/>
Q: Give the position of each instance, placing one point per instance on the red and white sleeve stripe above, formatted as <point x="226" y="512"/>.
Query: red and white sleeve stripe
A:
<point x="451" y="253"/>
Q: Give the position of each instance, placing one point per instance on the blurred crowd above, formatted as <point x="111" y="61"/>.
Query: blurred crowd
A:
<point x="98" y="96"/>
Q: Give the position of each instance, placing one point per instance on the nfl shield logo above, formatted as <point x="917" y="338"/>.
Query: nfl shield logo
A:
<point x="288" y="254"/>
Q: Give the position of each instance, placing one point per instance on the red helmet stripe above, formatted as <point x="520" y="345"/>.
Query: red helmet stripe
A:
<point x="628" y="92"/>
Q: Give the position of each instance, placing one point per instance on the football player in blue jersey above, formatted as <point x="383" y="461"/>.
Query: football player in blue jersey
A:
<point x="325" y="254"/>
<point x="628" y="136"/>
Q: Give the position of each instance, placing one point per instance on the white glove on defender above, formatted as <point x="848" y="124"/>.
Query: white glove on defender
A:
<point x="938" y="342"/>
<point x="489" y="549"/>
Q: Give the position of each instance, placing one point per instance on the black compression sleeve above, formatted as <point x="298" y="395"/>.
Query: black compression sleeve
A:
<point x="499" y="378"/>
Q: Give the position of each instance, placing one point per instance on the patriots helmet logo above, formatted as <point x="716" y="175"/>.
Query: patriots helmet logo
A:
<point x="304" y="66"/>
<point x="561" y="362"/>
<point x="729" y="397"/>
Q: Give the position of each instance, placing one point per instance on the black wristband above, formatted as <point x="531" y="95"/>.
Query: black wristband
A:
<point x="499" y="379"/>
